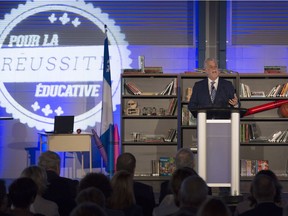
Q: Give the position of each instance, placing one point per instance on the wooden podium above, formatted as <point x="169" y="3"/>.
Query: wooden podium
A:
<point x="218" y="146"/>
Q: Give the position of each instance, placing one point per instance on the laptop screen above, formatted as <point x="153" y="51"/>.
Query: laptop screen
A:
<point x="63" y="124"/>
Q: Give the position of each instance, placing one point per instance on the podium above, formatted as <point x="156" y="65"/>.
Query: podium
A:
<point x="218" y="132"/>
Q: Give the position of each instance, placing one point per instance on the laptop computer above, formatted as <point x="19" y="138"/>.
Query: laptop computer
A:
<point x="63" y="125"/>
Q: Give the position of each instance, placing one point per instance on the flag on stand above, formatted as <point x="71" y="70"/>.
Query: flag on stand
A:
<point x="107" y="107"/>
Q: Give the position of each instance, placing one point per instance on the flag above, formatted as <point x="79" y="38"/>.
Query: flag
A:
<point x="107" y="107"/>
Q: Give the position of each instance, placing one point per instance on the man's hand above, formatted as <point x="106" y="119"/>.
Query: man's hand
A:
<point x="234" y="101"/>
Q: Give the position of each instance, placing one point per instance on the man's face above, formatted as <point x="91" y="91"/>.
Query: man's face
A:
<point x="212" y="70"/>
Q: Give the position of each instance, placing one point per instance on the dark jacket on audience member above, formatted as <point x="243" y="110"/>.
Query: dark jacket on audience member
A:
<point x="62" y="191"/>
<point x="144" y="196"/>
<point x="264" y="209"/>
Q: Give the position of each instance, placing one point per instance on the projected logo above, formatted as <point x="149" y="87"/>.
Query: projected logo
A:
<point x="51" y="62"/>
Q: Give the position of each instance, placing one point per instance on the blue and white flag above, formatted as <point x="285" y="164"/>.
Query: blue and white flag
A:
<point x="107" y="106"/>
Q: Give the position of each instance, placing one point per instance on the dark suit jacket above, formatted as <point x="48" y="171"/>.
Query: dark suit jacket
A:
<point x="201" y="96"/>
<point x="62" y="191"/>
<point x="144" y="196"/>
<point x="264" y="209"/>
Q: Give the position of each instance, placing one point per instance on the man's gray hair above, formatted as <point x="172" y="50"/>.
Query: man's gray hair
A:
<point x="184" y="158"/>
<point x="49" y="160"/>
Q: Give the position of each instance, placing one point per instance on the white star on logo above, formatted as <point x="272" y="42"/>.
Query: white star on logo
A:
<point x="35" y="106"/>
<point x="59" y="111"/>
<point x="64" y="19"/>
<point x="47" y="110"/>
<point x="76" y="22"/>
<point x="52" y="18"/>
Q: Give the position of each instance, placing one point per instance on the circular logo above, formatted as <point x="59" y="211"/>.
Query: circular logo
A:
<point x="51" y="62"/>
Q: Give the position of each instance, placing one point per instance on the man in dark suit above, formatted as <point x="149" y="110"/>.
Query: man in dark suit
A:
<point x="264" y="190"/>
<point x="144" y="194"/>
<point x="60" y="190"/>
<point x="213" y="91"/>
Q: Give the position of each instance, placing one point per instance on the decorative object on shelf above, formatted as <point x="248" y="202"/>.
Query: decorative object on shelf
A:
<point x="283" y="110"/>
<point x="136" y="136"/>
<point x="258" y="94"/>
<point x="264" y="107"/>
<point x="161" y="112"/>
<point x="141" y="63"/>
<point x="132" y="108"/>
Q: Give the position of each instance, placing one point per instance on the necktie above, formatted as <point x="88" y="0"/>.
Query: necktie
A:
<point x="213" y="91"/>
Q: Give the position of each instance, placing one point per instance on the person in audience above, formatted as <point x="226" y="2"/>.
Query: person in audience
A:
<point x="93" y="195"/>
<point x="250" y="202"/>
<point x="170" y="203"/>
<point x="122" y="197"/>
<point x="22" y="193"/>
<point x="192" y="194"/>
<point x="40" y="205"/>
<point x="101" y="182"/>
<point x="264" y="190"/>
<point x="285" y="210"/>
<point x="184" y="158"/>
<point x="88" y="209"/>
<point x="144" y="194"/>
<point x="213" y="207"/>
<point x="60" y="190"/>
<point x="3" y="199"/>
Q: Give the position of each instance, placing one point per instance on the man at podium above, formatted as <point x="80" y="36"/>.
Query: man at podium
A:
<point x="213" y="91"/>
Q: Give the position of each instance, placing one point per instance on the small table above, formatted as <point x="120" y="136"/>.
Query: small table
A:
<point x="68" y="143"/>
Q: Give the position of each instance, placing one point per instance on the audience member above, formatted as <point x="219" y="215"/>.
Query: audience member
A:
<point x="264" y="190"/>
<point x="214" y="207"/>
<point x="88" y="209"/>
<point x="144" y="194"/>
<point x="3" y="199"/>
<point x="101" y="182"/>
<point x="122" y="197"/>
<point x="192" y="194"/>
<point x="170" y="203"/>
<point x="250" y="202"/>
<point x="285" y="210"/>
<point x="93" y="195"/>
<point x="40" y="205"/>
<point x="22" y="193"/>
<point x="184" y="158"/>
<point x="61" y="190"/>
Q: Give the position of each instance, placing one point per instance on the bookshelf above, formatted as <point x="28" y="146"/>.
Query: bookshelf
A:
<point x="154" y="118"/>
<point x="266" y="123"/>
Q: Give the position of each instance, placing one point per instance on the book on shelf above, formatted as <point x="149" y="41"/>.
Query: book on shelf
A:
<point x="279" y="137"/>
<point x="280" y="90"/>
<point x="166" y="166"/>
<point x="250" y="167"/>
<point x="275" y="69"/>
<point x="131" y="71"/>
<point x="168" y="90"/>
<point x="248" y="132"/>
<point x="152" y="70"/>
<point x="172" y="106"/>
<point x="132" y="88"/>
<point x="245" y="90"/>
<point x="170" y="135"/>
